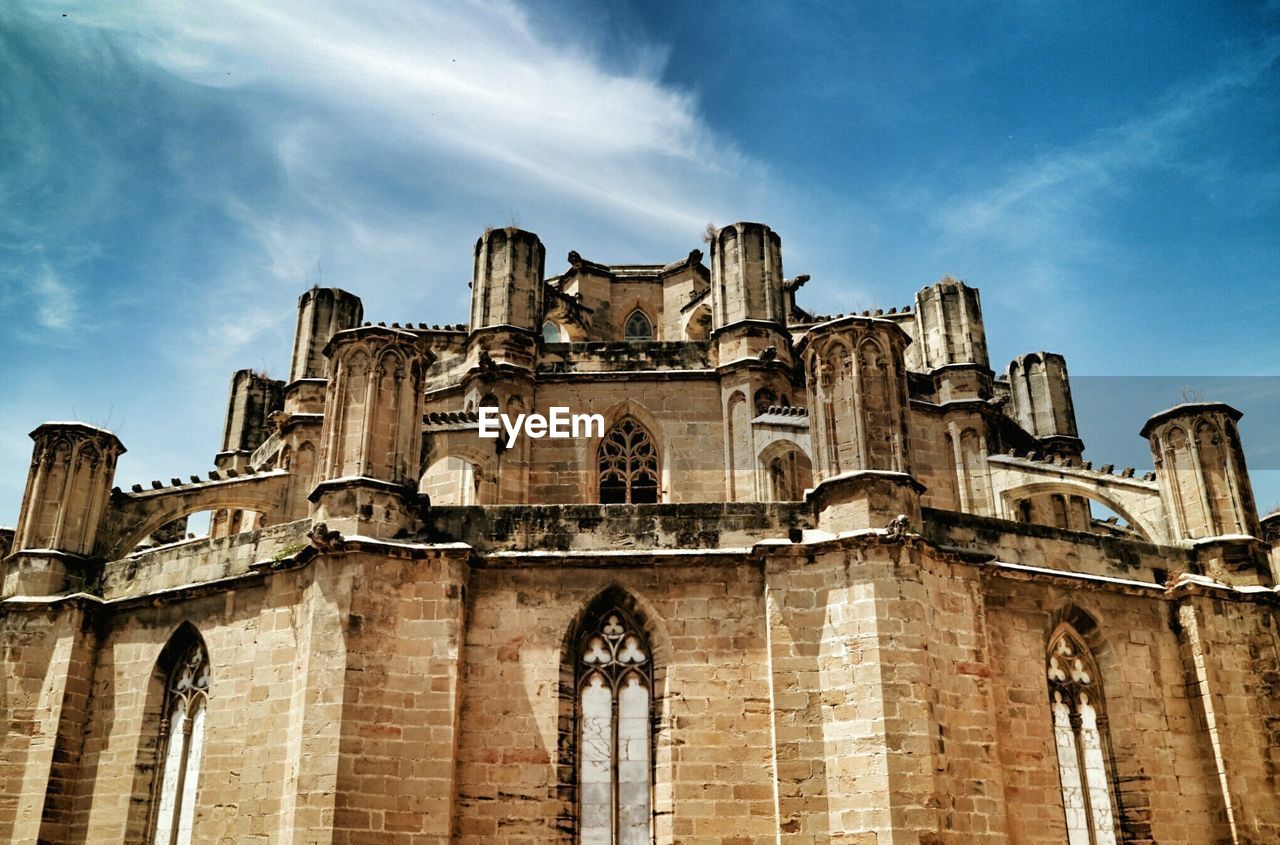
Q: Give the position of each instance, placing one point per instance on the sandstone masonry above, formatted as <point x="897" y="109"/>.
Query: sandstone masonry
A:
<point x="823" y="579"/>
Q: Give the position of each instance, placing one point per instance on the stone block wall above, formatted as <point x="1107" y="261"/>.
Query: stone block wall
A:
<point x="713" y="757"/>
<point x="861" y="689"/>
<point x="683" y="418"/>
<point x="1165" y="789"/>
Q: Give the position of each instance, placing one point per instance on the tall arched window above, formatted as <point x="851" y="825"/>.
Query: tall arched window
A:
<point x="614" y="683"/>
<point x="637" y="327"/>
<point x="181" y="743"/>
<point x="628" y="464"/>
<point x="1079" y="731"/>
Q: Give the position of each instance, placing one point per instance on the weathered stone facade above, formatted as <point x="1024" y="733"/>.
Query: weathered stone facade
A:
<point x="822" y="579"/>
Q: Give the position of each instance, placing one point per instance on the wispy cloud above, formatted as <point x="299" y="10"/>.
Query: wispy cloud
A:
<point x="1037" y="199"/>
<point x="55" y="302"/>
<point x="453" y="90"/>
<point x="357" y="144"/>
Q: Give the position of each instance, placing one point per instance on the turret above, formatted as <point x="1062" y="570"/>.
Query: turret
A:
<point x="857" y="393"/>
<point x="749" y="309"/>
<point x="254" y="397"/>
<point x="1200" y="464"/>
<point x="507" y="279"/>
<point x="949" y="326"/>
<point x="857" y="384"/>
<point x="746" y="275"/>
<point x="72" y="469"/>
<point x="506" y="325"/>
<point x="949" y="341"/>
<point x="372" y="434"/>
<point x="322" y="313"/>
<point x="1041" y="398"/>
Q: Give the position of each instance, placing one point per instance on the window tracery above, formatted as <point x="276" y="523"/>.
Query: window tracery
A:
<point x="1078" y="730"/>
<point x="182" y="743"/>
<point x="628" y="465"/>
<point x="614" y="687"/>
<point x="637" y="327"/>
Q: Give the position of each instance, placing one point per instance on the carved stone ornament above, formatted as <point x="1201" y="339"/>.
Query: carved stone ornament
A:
<point x="324" y="539"/>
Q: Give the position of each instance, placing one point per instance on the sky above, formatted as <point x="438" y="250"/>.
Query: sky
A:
<point x="174" y="174"/>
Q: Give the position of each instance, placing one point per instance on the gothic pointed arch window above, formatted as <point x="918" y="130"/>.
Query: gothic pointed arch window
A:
<point x="613" y="673"/>
<point x="628" y="465"/>
<point x="1079" y="729"/>
<point x="637" y="327"/>
<point x="181" y="746"/>
<point x="552" y="333"/>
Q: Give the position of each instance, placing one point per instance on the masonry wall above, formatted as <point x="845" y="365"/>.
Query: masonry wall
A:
<point x="317" y="730"/>
<point x="1165" y="783"/>
<point x="43" y="679"/>
<point x="399" y="701"/>
<point x="862" y="689"/>
<point x="713" y="761"/>
<point x="257" y="638"/>
<point x="850" y="711"/>
<point x="1232" y="675"/>
<point x="684" y="416"/>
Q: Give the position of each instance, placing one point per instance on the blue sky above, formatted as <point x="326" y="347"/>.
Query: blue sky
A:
<point x="173" y="175"/>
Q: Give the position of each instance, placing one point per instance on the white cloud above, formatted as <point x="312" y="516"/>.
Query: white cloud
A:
<point x="479" y="89"/>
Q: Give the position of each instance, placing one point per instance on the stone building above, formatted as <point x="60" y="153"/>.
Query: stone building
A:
<point x="815" y="579"/>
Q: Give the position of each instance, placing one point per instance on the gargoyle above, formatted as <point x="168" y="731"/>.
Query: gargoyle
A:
<point x="898" y="528"/>
<point x="487" y="366"/>
<point x="796" y="283"/>
<point x="324" y="539"/>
